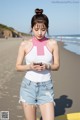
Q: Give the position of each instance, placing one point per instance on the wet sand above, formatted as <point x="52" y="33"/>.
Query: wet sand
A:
<point x="66" y="81"/>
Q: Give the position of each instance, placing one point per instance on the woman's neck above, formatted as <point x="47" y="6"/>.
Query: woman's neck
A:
<point x="40" y="40"/>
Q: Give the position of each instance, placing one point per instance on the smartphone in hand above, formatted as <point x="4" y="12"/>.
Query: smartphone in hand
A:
<point x="38" y="63"/>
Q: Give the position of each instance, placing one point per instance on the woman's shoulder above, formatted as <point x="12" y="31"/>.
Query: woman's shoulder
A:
<point x="52" y="41"/>
<point x="26" y="42"/>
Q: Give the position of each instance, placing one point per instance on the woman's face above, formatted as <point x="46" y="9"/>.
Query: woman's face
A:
<point x="39" y="30"/>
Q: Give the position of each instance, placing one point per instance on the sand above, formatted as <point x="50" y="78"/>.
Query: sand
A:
<point x="66" y="81"/>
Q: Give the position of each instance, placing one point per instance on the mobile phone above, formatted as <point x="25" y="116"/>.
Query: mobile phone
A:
<point x="38" y="63"/>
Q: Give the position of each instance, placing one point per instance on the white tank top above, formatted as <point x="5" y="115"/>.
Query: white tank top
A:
<point x="39" y="54"/>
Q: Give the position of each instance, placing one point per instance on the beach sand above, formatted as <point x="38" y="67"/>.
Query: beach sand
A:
<point x="66" y="81"/>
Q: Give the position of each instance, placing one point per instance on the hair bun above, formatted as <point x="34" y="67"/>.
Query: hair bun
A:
<point x="38" y="11"/>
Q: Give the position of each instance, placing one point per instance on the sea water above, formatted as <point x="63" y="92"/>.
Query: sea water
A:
<point x="71" y="42"/>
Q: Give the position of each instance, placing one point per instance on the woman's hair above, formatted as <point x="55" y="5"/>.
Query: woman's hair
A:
<point x="39" y="17"/>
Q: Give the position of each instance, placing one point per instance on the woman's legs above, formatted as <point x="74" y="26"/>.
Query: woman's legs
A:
<point x="29" y="111"/>
<point x="47" y="111"/>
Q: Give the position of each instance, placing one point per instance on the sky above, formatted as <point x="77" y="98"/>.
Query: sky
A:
<point x="64" y="15"/>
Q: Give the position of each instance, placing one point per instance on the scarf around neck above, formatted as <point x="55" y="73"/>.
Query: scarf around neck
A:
<point x="39" y="44"/>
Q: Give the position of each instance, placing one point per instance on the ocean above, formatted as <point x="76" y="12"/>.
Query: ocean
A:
<point x="71" y="42"/>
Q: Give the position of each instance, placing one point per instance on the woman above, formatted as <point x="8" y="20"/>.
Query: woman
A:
<point x="41" y="56"/>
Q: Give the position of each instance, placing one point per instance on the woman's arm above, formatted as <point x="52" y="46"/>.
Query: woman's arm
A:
<point x="19" y="63"/>
<point x="56" y="59"/>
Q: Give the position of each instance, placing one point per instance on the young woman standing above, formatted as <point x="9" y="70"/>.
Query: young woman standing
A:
<point x="42" y="56"/>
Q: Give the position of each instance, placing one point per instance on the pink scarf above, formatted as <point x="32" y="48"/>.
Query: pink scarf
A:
<point x="40" y="45"/>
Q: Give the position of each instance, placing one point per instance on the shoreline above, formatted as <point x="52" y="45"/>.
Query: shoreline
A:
<point x="63" y="45"/>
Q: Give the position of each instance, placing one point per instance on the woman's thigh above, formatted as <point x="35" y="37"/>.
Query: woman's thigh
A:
<point x="29" y="111"/>
<point x="47" y="111"/>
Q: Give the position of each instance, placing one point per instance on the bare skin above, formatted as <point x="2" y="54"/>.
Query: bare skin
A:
<point x="29" y="111"/>
<point x="39" y="30"/>
<point x="47" y="111"/>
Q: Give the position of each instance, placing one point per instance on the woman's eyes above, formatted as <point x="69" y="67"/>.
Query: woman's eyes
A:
<point x="36" y="29"/>
<point x="43" y="29"/>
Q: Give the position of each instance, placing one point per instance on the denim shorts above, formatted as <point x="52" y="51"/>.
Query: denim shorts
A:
<point x="36" y="93"/>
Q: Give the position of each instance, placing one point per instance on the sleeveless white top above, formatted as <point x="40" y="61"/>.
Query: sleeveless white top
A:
<point x="32" y="56"/>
